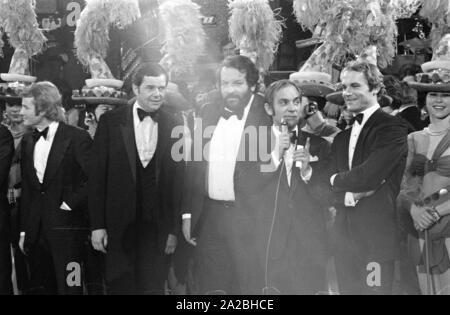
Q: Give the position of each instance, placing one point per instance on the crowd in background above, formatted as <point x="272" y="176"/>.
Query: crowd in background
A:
<point x="220" y="247"/>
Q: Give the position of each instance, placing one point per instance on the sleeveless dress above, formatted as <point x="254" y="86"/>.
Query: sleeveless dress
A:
<point x="427" y="172"/>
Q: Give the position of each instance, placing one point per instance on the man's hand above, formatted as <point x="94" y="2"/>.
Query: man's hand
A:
<point x="359" y="196"/>
<point x="22" y="243"/>
<point x="186" y="228"/>
<point x="171" y="244"/>
<point x="422" y="219"/>
<point x="303" y="155"/>
<point x="99" y="239"/>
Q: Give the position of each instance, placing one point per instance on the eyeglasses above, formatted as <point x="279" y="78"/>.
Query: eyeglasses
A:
<point x="435" y="76"/>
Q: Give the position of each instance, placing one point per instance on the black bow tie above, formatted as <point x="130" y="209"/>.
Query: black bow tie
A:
<point x="359" y="118"/>
<point x="143" y="114"/>
<point x="38" y="134"/>
<point x="227" y="113"/>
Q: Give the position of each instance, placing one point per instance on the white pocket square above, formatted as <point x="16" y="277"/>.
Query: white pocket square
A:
<point x="314" y="159"/>
<point x="65" y="207"/>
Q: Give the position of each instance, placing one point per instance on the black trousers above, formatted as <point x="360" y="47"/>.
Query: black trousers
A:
<point x="146" y="263"/>
<point x="56" y="263"/>
<point x="5" y="268"/>
<point x="227" y="259"/>
<point x="94" y="270"/>
<point x="296" y="272"/>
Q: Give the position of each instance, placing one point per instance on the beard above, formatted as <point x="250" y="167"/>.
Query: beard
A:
<point x="234" y="101"/>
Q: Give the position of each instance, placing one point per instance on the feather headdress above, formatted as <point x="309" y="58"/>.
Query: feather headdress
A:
<point x="255" y="28"/>
<point x="309" y="13"/>
<point x="92" y="32"/>
<point x="349" y="26"/>
<point x="184" y="37"/>
<point x="18" y="20"/>
<point x="437" y="12"/>
<point x="404" y="9"/>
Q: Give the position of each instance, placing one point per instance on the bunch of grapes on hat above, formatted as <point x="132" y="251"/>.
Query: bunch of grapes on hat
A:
<point x="436" y="73"/>
<point x="102" y="88"/>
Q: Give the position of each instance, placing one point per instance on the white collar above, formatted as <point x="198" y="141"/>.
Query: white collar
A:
<point x="136" y="106"/>
<point x="246" y="109"/>
<point x="369" y="112"/>
<point x="52" y="128"/>
<point x="277" y="131"/>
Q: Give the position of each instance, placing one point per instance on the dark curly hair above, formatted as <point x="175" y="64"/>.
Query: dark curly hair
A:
<point x="244" y="65"/>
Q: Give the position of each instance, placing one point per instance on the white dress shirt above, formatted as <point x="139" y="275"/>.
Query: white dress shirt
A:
<point x="356" y="131"/>
<point x="223" y="152"/>
<point x="288" y="157"/>
<point x="354" y="137"/>
<point x="42" y="151"/>
<point x="146" y="134"/>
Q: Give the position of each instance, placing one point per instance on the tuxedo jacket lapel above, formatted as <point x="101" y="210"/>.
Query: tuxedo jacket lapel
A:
<point x="358" y="157"/>
<point x="342" y="149"/>
<point x="127" y="130"/>
<point x="163" y="135"/>
<point x="57" y="152"/>
<point x="29" y="152"/>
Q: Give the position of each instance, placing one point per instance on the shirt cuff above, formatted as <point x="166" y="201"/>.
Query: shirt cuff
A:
<point x="350" y="200"/>
<point x="308" y="175"/>
<point x="276" y="161"/>
<point x="186" y="216"/>
<point x="332" y="179"/>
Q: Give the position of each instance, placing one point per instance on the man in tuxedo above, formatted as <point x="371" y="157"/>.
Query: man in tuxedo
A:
<point x="6" y="155"/>
<point x="134" y="188"/>
<point x="365" y="172"/>
<point x="217" y="218"/>
<point x="54" y="193"/>
<point x="294" y="253"/>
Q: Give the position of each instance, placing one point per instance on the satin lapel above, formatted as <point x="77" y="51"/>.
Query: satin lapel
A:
<point x="358" y="157"/>
<point x="163" y="139"/>
<point x="212" y="118"/>
<point x="56" y="156"/>
<point x="254" y="119"/>
<point x="129" y="140"/>
<point x="342" y="151"/>
<point x="29" y="152"/>
<point x="209" y="123"/>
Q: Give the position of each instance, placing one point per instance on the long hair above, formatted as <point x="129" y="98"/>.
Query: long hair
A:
<point x="47" y="99"/>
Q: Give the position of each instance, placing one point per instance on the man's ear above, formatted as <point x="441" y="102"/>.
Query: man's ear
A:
<point x="135" y="89"/>
<point x="41" y="114"/>
<point x="376" y="91"/>
<point x="269" y="109"/>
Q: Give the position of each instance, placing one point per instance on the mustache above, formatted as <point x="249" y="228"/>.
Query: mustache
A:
<point x="232" y="96"/>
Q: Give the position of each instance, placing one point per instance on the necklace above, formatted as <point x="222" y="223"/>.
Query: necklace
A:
<point x="432" y="132"/>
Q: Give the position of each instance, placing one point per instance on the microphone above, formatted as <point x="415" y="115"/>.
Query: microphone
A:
<point x="284" y="126"/>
